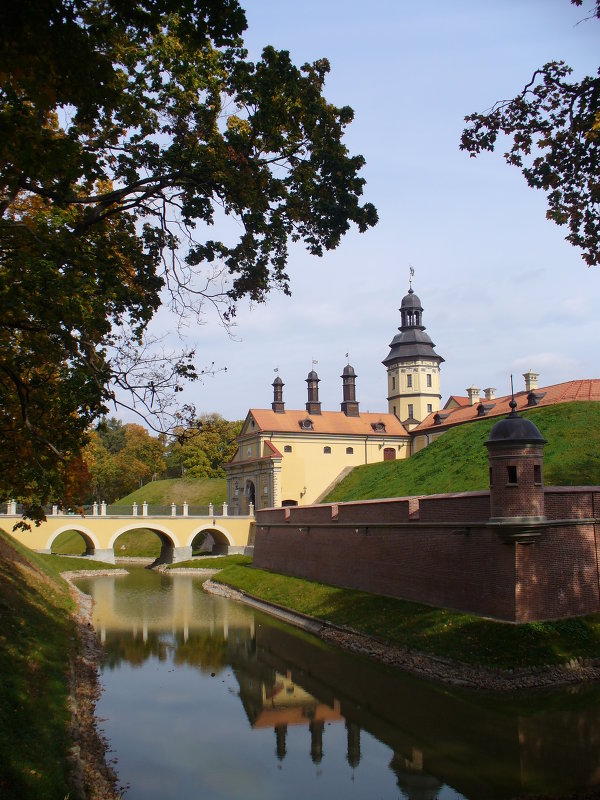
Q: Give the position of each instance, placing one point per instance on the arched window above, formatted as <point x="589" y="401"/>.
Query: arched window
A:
<point x="287" y="448"/>
<point x="349" y="451"/>
<point x="327" y="449"/>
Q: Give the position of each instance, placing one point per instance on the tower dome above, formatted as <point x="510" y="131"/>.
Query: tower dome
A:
<point x="413" y="366"/>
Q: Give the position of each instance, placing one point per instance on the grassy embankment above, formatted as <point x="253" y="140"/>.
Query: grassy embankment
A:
<point x="457" y="461"/>
<point x="435" y="631"/>
<point x="37" y="640"/>
<point x="143" y="542"/>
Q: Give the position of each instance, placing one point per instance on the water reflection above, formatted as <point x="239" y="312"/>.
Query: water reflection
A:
<point x="214" y="679"/>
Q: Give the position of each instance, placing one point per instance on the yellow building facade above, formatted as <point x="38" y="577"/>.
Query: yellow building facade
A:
<point x="294" y="457"/>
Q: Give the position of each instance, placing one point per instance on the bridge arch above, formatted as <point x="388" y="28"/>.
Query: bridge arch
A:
<point x="90" y="539"/>
<point x="220" y="535"/>
<point x="166" y="535"/>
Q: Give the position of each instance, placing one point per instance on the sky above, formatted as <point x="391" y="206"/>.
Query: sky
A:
<point x="502" y="291"/>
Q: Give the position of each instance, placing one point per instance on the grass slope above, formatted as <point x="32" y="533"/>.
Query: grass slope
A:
<point x="37" y="640"/>
<point x="457" y="461"/>
<point x="436" y="631"/>
<point x="196" y="491"/>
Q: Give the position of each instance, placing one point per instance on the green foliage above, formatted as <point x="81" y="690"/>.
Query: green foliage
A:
<point x="121" y="457"/>
<point x="436" y="631"/>
<point x="457" y="461"/>
<point x="554" y="124"/>
<point x="202" y="450"/>
<point x="127" y="131"/>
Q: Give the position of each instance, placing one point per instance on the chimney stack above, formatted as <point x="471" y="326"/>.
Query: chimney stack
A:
<point x="531" y="380"/>
<point x="277" y="405"/>
<point x="313" y="405"/>
<point x="490" y="393"/>
<point x="473" y="393"/>
<point x="349" y="404"/>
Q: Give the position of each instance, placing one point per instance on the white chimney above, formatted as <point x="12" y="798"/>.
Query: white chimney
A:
<point x="490" y="393"/>
<point x="473" y="393"/>
<point x="531" y="380"/>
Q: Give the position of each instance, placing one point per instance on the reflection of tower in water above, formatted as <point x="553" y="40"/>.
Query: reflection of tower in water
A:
<point x="280" y="735"/>
<point x="353" y="751"/>
<point x="316" y="728"/>
<point x="412" y="780"/>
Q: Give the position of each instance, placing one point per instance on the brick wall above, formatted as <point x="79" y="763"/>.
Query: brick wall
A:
<point x="450" y="562"/>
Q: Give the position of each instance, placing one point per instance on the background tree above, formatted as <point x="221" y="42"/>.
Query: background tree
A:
<point x="118" y="465"/>
<point x="126" y="130"/>
<point x="554" y="124"/>
<point x="202" y="450"/>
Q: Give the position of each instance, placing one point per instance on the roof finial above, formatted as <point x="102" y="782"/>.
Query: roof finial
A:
<point x="411" y="276"/>
<point x="513" y="403"/>
<point x="348" y="357"/>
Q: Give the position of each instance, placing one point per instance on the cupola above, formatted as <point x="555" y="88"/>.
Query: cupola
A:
<point x="313" y="406"/>
<point x="277" y="405"/>
<point x="349" y="404"/>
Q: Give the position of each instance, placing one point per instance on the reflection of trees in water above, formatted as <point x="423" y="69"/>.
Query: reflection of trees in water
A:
<point x="205" y="651"/>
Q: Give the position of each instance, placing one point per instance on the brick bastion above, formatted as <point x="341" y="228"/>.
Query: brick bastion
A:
<point x="519" y="552"/>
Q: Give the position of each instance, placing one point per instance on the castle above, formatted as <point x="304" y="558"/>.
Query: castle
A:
<point x="295" y="457"/>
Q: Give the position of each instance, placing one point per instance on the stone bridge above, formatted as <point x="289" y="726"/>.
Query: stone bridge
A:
<point x="100" y="530"/>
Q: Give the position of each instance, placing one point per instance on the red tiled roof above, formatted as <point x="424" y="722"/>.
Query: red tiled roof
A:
<point x="460" y="401"/>
<point x="328" y="422"/>
<point x="558" y="393"/>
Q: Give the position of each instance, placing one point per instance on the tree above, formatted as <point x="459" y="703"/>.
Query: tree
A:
<point x="127" y="129"/>
<point x="202" y="450"/>
<point x="117" y="466"/>
<point x="555" y="128"/>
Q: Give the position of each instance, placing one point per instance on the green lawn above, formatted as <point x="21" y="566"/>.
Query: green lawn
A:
<point x="457" y="461"/>
<point x="37" y="638"/>
<point x="449" y="634"/>
<point x="209" y="562"/>
<point x="196" y="491"/>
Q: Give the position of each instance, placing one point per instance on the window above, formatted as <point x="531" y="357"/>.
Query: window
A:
<point x="394" y="410"/>
<point x="537" y="474"/>
<point x="429" y="408"/>
<point x="327" y="449"/>
<point x="428" y="381"/>
<point x="409" y="381"/>
<point x="287" y="448"/>
<point x="393" y="382"/>
<point x="248" y="452"/>
<point x="306" y="424"/>
<point x="349" y="451"/>
<point x="378" y="427"/>
<point x="512" y="475"/>
<point x="411" y="410"/>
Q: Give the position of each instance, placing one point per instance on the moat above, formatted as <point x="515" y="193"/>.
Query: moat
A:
<point x="205" y="698"/>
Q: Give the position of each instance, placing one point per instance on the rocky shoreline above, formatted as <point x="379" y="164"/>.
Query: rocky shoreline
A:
<point x="92" y="776"/>
<point x="422" y="664"/>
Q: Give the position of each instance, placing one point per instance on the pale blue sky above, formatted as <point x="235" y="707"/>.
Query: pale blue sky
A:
<point x="502" y="291"/>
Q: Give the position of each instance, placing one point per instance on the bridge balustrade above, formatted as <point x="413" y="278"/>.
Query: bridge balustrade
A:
<point x="12" y="508"/>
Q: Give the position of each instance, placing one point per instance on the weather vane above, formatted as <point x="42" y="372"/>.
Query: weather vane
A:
<point x="412" y="274"/>
<point x="348" y="356"/>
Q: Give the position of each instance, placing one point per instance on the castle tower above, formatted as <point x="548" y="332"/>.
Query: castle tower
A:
<point x="313" y="406"/>
<point x="413" y="367"/>
<point x="515" y="452"/>
<point x="278" y="405"/>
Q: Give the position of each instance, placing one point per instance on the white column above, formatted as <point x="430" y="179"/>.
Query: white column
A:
<point x="211" y="510"/>
<point x="134" y="510"/>
<point x="103" y="509"/>
<point x="250" y="509"/>
<point x="95" y="509"/>
<point x="144" y="509"/>
<point x="185" y="509"/>
<point x="54" y="510"/>
<point x="224" y="509"/>
<point x="173" y="510"/>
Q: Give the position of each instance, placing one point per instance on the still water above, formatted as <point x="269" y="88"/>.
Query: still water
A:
<point x="206" y="699"/>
